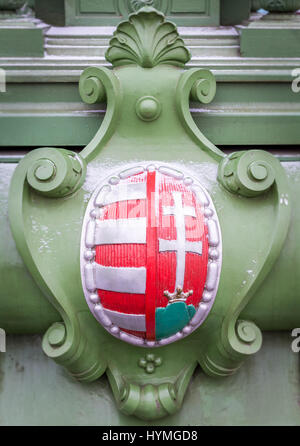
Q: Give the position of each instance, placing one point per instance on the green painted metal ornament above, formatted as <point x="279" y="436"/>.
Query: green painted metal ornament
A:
<point x="154" y="229"/>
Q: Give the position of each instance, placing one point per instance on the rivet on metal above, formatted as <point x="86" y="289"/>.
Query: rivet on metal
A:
<point x="57" y="334"/>
<point x="45" y="170"/>
<point x="148" y="108"/>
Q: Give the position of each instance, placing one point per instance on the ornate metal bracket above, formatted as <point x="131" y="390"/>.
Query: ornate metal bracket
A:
<point x="149" y="143"/>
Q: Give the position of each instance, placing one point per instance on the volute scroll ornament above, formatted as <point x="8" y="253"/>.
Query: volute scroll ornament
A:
<point x="148" y="258"/>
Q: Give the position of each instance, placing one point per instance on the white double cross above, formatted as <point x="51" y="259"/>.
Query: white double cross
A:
<point x="181" y="246"/>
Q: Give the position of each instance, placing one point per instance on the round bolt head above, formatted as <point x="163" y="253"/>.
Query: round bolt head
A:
<point x="44" y="171"/>
<point x="57" y="334"/>
<point x="258" y="171"/>
<point x="246" y="332"/>
<point x="148" y="108"/>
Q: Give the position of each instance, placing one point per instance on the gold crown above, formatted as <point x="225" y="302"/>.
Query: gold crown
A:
<point x="178" y="295"/>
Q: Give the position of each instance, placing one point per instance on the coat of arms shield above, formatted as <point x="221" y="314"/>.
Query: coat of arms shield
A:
<point x="151" y="254"/>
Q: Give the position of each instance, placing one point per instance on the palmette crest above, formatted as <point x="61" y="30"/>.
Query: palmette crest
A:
<point x="147" y="40"/>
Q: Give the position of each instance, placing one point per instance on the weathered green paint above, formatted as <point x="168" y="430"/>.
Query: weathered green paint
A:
<point x="272" y="36"/>
<point x="254" y="95"/>
<point x="276" y="6"/>
<point x="27" y="299"/>
<point x="260" y="112"/>
<point x="51" y="12"/>
<point x="187" y="13"/>
<point x="12" y="5"/>
<point x="22" y="41"/>
<point x="36" y="391"/>
<point x="234" y="11"/>
<point x="251" y="192"/>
